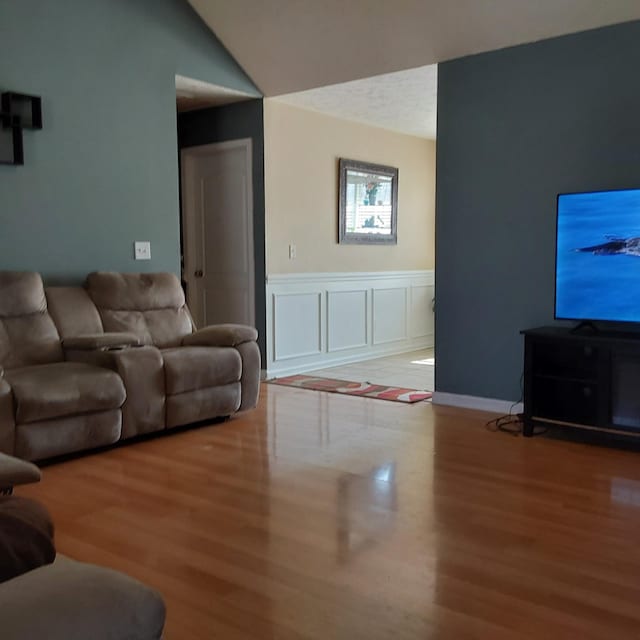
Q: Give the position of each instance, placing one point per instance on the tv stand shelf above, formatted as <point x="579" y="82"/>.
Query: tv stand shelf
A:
<point x="585" y="380"/>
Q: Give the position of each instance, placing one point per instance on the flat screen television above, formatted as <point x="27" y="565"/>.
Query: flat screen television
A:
<point x="598" y="256"/>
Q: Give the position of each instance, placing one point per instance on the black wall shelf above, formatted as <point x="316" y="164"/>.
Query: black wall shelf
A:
<point x="18" y="111"/>
<point x="11" y="149"/>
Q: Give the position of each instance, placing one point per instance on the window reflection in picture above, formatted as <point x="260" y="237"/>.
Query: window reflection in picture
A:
<point x="368" y="203"/>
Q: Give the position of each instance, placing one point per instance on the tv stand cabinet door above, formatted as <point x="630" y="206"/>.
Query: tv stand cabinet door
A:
<point x="625" y="387"/>
<point x="566" y="382"/>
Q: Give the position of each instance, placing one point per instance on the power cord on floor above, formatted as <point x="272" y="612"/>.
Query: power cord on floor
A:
<point x="512" y="423"/>
<point x="509" y="423"/>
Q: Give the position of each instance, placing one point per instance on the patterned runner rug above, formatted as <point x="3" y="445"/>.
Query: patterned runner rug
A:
<point x="382" y="392"/>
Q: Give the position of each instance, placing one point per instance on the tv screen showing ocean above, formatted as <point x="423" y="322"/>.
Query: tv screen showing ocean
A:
<point x="598" y="256"/>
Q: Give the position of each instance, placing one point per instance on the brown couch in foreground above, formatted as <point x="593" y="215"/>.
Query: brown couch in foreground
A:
<point x="67" y="600"/>
<point x="83" y="367"/>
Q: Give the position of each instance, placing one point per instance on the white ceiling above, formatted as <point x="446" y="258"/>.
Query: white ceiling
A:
<point x="289" y="46"/>
<point x="292" y="45"/>
<point x="194" y="94"/>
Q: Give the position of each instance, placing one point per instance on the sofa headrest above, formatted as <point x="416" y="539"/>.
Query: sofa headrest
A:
<point x="21" y="294"/>
<point x="135" y="291"/>
<point x="73" y="311"/>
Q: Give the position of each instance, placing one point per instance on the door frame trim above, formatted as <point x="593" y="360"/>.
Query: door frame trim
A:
<point x="187" y="157"/>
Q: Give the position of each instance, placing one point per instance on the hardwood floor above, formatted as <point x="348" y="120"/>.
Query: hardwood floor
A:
<point x="320" y="516"/>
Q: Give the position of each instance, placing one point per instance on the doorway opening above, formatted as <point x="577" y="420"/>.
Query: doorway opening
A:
<point x="222" y="219"/>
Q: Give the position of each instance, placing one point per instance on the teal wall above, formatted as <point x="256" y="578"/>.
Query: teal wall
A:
<point x="515" y="128"/>
<point x="103" y="172"/>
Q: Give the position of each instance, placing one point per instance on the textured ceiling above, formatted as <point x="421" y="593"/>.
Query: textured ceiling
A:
<point x="292" y="45"/>
<point x="405" y="101"/>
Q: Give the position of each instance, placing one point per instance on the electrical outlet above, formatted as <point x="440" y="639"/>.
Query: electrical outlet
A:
<point x="142" y="250"/>
<point x="292" y="252"/>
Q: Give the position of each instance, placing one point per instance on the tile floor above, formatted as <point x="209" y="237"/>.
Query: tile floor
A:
<point x="414" y="370"/>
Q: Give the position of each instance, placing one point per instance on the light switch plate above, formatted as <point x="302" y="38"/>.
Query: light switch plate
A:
<point x="142" y="250"/>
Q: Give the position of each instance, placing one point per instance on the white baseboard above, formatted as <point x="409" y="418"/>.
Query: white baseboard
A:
<point x="475" y="402"/>
<point x="325" y="362"/>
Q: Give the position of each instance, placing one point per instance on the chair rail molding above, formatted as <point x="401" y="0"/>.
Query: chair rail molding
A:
<point x="317" y="320"/>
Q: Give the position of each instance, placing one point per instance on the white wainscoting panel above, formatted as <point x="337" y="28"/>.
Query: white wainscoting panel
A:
<point x="317" y="320"/>
<point x="297" y="320"/>
<point x="389" y="315"/>
<point x="420" y="311"/>
<point x="346" y="319"/>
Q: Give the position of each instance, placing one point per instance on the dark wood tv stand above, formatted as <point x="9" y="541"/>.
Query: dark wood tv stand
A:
<point x="585" y="380"/>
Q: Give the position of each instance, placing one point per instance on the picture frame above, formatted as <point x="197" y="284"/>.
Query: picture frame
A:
<point x="367" y="203"/>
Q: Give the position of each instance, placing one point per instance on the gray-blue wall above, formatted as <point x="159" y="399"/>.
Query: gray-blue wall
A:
<point x="104" y="170"/>
<point x="515" y="128"/>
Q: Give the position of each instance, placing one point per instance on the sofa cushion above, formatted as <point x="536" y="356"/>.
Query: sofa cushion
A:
<point x="58" y="436"/>
<point x="202" y="404"/>
<point x="156" y="327"/>
<point x="26" y="537"/>
<point x="63" y="388"/>
<point x="191" y="368"/>
<point x="27" y="333"/>
<point x="22" y="293"/>
<point x="135" y="291"/>
<point x="151" y="305"/>
<point x="30" y="339"/>
<point x="73" y="311"/>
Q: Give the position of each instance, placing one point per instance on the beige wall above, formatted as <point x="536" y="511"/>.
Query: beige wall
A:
<point x="301" y="190"/>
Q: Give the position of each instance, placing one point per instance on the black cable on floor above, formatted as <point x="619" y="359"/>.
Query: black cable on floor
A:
<point x="509" y="423"/>
<point x="512" y="423"/>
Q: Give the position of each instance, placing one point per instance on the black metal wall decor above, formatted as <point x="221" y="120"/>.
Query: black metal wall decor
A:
<point x="18" y="111"/>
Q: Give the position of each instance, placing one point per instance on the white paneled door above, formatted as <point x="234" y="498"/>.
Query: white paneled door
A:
<point x="217" y="227"/>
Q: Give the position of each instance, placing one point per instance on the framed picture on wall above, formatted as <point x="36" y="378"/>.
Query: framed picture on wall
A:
<point x="368" y="203"/>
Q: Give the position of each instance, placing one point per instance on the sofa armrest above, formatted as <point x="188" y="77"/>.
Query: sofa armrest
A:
<point x="14" y="471"/>
<point x="69" y="599"/>
<point x="7" y="417"/>
<point x="142" y="372"/>
<point x="250" y="380"/>
<point x="101" y="341"/>
<point x="221" y="335"/>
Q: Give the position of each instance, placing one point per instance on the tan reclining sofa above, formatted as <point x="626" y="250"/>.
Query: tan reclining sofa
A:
<point x="84" y="367"/>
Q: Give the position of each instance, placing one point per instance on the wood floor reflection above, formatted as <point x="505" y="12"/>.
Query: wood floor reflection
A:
<point x="320" y="516"/>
